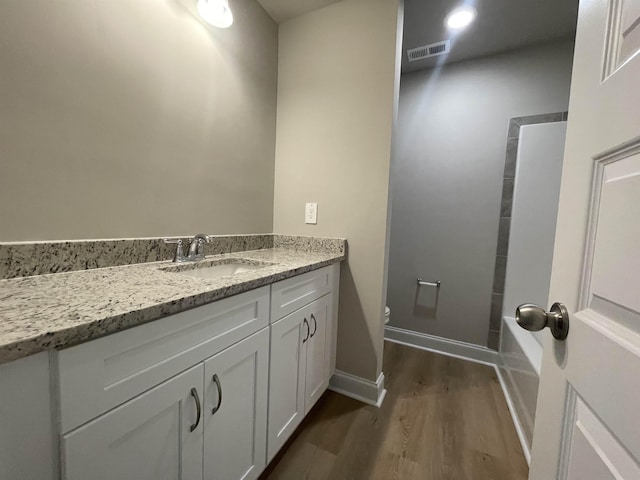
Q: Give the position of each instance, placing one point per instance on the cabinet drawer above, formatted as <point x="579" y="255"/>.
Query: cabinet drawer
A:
<point x="293" y="293"/>
<point x="101" y="374"/>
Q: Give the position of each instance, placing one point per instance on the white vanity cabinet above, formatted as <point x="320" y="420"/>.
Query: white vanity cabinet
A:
<point x="28" y="444"/>
<point x="316" y="372"/>
<point x="183" y="428"/>
<point x="211" y="393"/>
<point x="155" y="436"/>
<point x="99" y="375"/>
<point x="286" y="378"/>
<point x="302" y="344"/>
<point x="235" y="410"/>
<point x="140" y="402"/>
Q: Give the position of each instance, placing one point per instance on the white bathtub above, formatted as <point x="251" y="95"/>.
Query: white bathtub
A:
<point x="519" y="367"/>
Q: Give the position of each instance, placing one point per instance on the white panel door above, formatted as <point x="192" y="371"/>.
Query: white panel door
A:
<point x="235" y="412"/>
<point x="289" y="338"/>
<point x="316" y="378"/>
<point x="156" y="436"/>
<point x="587" y="422"/>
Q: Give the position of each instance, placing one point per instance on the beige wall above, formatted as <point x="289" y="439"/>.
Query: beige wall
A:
<point x="127" y="118"/>
<point x="335" y="108"/>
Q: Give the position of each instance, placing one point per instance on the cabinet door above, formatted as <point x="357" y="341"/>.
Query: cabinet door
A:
<point x="316" y="378"/>
<point x="147" y="438"/>
<point x="26" y="434"/>
<point x="235" y="413"/>
<point x="286" y="378"/>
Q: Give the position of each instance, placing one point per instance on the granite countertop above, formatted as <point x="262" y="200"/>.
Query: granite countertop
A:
<point x="60" y="310"/>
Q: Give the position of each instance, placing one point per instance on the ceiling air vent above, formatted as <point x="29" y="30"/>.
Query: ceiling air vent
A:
<point x="431" y="50"/>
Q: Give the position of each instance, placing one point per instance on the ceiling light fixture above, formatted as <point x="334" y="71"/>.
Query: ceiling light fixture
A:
<point x="216" y="12"/>
<point x="460" y="18"/>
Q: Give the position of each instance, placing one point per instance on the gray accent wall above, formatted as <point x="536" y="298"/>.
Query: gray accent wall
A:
<point x="447" y="183"/>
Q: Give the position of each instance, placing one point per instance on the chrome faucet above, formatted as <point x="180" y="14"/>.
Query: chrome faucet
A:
<point x="196" y="248"/>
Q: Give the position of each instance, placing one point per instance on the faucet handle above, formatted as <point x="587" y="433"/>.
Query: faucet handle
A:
<point x="178" y="256"/>
<point x="173" y="241"/>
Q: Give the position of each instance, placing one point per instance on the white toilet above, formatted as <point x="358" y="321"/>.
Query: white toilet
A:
<point x="387" y="315"/>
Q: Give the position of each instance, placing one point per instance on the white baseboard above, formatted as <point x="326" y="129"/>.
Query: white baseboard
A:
<point x="358" y="388"/>
<point x="514" y="416"/>
<point x="445" y="346"/>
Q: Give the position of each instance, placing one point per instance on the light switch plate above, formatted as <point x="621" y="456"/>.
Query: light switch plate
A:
<point x="311" y="213"/>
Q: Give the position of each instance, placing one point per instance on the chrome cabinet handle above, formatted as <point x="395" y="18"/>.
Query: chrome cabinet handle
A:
<point x="194" y="394"/>
<point x="315" y="325"/>
<point x="216" y="380"/>
<point x="308" y="330"/>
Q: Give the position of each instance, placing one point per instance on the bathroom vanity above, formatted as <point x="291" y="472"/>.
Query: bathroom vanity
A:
<point x="209" y="389"/>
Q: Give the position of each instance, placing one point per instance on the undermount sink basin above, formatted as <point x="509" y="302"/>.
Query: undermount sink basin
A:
<point x="217" y="268"/>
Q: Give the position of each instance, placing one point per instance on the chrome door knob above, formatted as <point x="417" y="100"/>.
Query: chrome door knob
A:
<point x="534" y="318"/>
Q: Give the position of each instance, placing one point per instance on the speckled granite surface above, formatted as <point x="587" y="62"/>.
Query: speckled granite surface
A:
<point x="60" y="310"/>
<point x="38" y="258"/>
<point x="310" y="244"/>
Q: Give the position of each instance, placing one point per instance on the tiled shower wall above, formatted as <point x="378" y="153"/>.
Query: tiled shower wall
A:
<point x="511" y="157"/>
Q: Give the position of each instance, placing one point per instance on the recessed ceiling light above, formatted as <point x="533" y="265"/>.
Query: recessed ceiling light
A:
<point x="216" y="12"/>
<point x="461" y="18"/>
